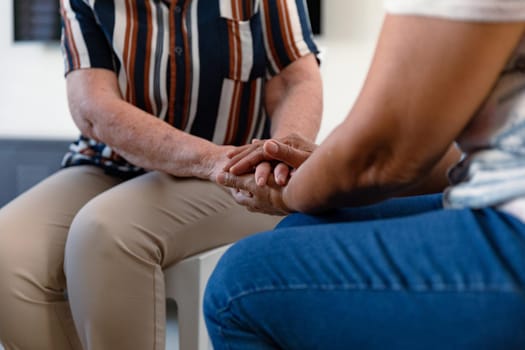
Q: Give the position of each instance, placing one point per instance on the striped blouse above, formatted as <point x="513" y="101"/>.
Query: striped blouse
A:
<point x="199" y="65"/>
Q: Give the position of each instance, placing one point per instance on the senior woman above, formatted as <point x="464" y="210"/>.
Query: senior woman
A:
<point x="443" y="271"/>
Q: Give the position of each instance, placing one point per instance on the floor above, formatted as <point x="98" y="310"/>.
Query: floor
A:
<point x="172" y="333"/>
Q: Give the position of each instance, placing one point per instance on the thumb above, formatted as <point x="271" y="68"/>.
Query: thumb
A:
<point x="229" y="180"/>
<point x="226" y="179"/>
<point x="287" y="154"/>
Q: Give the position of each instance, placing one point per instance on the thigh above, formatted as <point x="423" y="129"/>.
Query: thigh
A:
<point x="392" y="208"/>
<point x="167" y="218"/>
<point x="34" y="226"/>
<point x="442" y="279"/>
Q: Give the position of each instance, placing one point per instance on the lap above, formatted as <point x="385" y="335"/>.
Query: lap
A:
<point x="400" y="252"/>
<point x="35" y="225"/>
<point x="391" y="208"/>
<point x="181" y="216"/>
<point x="189" y="214"/>
<point x="386" y="280"/>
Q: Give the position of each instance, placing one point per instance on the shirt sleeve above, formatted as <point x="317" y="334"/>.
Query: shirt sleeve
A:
<point x="287" y="33"/>
<point x="84" y="44"/>
<point x="468" y="10"/>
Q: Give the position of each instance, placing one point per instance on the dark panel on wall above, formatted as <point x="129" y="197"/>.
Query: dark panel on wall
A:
<point x="26" y="162"/>
<point x="36" y="20"/>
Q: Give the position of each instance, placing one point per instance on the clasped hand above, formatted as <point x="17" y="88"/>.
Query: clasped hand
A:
<point x="258" y="173"/>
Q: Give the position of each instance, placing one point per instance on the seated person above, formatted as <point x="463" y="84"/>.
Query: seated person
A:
<point x="438" y="271"/>
<point x="161" y="92"/>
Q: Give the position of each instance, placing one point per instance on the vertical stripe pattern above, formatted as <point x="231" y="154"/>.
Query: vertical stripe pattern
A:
<point x="168" y="61"/>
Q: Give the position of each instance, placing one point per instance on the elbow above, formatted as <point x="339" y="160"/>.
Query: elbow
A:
<point x="381" y="175"/>
<point x="82" y="117"/>
<point x="87" y="115"/>
<point x="395" y="176"/>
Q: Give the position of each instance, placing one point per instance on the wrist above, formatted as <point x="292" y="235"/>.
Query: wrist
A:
<point x="213" y="161"/>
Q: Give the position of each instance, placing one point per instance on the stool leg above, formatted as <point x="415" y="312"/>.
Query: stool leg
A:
<point x="185" y="283"/>
<point x="192" y="329"/>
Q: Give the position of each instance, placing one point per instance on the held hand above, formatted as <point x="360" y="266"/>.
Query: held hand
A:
<point x="261" y="167"/>
<point x="265" y="199"/>
<point x="290" y="151"/>
<point x="215" y="161"/>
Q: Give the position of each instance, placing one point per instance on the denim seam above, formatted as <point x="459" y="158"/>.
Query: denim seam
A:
<point x="477" y="288"/>
<point x="221" y="332"/>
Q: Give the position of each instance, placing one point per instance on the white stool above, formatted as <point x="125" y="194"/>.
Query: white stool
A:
<point x="185" y="283"/>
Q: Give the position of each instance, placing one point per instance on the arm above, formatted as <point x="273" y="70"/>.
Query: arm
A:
<point x="427" y="79"/>
<point x="293" y="100"/>
<point x="293" y="96"/>
<point x="436" y="179"/>
<point x="100" y="112"/>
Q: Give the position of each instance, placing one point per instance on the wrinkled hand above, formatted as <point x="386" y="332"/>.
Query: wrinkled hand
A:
<point x="215" y="162"/>
<point x="266" y="199"/>
<point x="262" y="155"/>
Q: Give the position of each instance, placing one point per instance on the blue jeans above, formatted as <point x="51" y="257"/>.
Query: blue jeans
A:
<point x="403" y="274"/>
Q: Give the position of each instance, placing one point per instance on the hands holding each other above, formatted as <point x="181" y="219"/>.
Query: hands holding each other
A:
<point x="259" y="172"/>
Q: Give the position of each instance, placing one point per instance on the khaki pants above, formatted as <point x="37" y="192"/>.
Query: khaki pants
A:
<point x="106" y="242"/>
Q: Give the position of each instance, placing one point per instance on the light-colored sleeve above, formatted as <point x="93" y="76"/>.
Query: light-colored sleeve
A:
<point x="469" y="10"/>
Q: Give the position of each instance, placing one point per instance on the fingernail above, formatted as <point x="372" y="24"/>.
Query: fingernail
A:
<point x="260" y="181"/>
<point x="272" y="147"/>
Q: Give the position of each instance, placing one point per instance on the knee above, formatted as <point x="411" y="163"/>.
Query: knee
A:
<point x="12" y="251"/>
<point x="92" y="239"/>
<point x="19" y="270"/>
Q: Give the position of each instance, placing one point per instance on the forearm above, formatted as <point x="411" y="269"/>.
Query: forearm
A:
<point x="342" y="173"/>
<point x="148" y="142"/>
<point x="142" y="139"/>
<point x="294" y="100"/>
<point x="427" y="80"/>
<point x="334" y="176"/>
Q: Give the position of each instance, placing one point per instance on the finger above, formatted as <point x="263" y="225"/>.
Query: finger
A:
<point x="247" y="162"/>
<point x="236" y="152"/>
<point x="232" y="181"/>
<point x="246" y="193"/>
<point x="281" y="173"/>
<point x="242" y="199"/>
<point x="299" y="142"/>
<point x="232" y="153"/>
<point x="285" y="153"/>
<point x="242" y="153"/>
<point x="262" y="172"/>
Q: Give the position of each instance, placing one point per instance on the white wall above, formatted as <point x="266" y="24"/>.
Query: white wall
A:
<point x="350" y="30"/>
<point x="32" y="91"/>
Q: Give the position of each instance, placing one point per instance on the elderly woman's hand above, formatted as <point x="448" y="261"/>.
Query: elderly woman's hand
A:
<point x="266" y="199"/>
<point x="281" y="155"/>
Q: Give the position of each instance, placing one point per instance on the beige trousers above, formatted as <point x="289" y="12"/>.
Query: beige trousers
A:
<point x="106" y="242"/>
